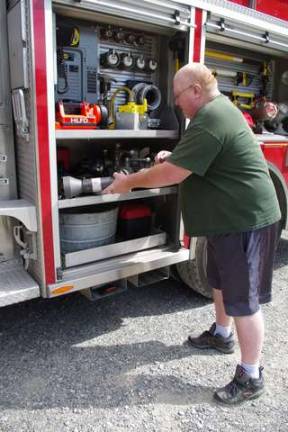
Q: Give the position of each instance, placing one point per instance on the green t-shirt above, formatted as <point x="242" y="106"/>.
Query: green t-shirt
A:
<point x="230" y="189"/>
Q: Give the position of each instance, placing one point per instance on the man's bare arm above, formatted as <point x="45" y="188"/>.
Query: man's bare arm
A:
<point x="164" y="174"/>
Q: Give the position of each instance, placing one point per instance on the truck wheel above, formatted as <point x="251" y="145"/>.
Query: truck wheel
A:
<point x="193" y="273"/>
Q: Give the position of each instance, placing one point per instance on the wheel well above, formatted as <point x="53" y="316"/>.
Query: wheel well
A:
<point x="282" y="198"/>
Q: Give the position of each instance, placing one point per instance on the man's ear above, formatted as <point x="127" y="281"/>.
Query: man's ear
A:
<point x="197" y="89"/>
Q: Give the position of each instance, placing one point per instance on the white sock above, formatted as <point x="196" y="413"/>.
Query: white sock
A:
<point x="251" y="369"/>
<point x="223" y="331"/>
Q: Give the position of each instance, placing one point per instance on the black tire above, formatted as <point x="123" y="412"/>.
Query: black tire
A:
<point x="193" y="273"/>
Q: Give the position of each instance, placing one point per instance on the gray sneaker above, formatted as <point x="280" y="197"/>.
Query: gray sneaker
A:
<point x="208" y="340"/>
<point x="241" y="388"/>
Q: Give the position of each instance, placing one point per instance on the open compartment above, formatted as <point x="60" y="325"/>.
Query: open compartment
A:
<point x="95" y="227"/>
<point x="113" y="110"/>
<point x="255" y="78"/>
<point x="113" y="77"/>
<point x="103" y="231"/>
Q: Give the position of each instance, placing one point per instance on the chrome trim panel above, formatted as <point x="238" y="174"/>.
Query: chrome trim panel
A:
<point x="51" y="125"/>
<point x="119" y="268"/>
<point x="168" y="13"/>
<point x="241" y="14"/>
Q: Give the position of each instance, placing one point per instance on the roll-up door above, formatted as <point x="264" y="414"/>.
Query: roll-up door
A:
<point x="240" y="73"/>
<point x="234" y="30"/>
<point x="165" y="13"/>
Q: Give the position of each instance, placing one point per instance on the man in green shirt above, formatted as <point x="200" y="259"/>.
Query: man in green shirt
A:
<point x="227" y="195"/>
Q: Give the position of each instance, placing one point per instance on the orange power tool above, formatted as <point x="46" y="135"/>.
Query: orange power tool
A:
<point x="83" y="115"/>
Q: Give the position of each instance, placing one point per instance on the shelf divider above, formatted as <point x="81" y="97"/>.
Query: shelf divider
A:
<point x="86" y="134"/>
<point x="109" y="198"/>
<point x="114" y="249"/>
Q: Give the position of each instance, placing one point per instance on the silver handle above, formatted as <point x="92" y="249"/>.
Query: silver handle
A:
<point x="4" y="181"/>
<point x="19" y="111"/>
<point x="3" y="158"/>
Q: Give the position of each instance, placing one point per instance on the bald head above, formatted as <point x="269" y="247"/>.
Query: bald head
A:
<point x="197" y="73"/>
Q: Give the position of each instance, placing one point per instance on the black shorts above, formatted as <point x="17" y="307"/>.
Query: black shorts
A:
<point x="241" y="266"/>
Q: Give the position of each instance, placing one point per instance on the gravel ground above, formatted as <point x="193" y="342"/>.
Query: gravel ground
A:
<point x="122" y="364"/>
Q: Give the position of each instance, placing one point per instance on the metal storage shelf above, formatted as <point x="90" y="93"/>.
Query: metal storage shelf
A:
<point x="118" y="134"/>
<point x="103" y="199"/>
<point x="262" y="138"/>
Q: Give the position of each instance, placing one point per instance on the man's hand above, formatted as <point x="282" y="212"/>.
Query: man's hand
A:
<point x="160" y="175"/>
<point x="162" y="156"/>
<point x="119" y="185"/>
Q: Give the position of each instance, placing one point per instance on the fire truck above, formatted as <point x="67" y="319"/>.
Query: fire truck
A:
<point x="86" y="90"/>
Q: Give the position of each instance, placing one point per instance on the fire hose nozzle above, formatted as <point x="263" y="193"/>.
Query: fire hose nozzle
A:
<point x="73" y="187"/>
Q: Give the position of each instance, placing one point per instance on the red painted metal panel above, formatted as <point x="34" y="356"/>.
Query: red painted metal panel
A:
<point x="198" y="36"/>
<point x="43" y="138"/>
<point x="277" y="8"/>
<point x="241" y="2"/>
<point x="276" y="153"/>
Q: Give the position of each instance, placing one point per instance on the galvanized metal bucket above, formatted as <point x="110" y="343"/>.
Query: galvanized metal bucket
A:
<point x="87" y="228"/>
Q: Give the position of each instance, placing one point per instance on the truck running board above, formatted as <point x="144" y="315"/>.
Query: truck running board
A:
<point x="16" y="285"/>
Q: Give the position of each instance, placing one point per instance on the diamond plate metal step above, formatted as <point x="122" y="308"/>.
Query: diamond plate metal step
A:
<point x="16" y="285"/>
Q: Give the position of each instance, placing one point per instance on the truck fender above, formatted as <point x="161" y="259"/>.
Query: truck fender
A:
<point x="281" y="191"/>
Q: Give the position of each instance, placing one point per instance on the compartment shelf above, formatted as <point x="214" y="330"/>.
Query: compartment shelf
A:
<point x="263" y="138"/>
<point x="78" y="134"/>
<point x="103" y="199"/>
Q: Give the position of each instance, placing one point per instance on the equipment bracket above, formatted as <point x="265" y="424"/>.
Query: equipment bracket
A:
<point x="21" y="210"/>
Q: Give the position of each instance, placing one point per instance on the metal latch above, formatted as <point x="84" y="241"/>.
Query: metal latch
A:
<point x="222" y="25"/>
<point x="27" y="241"/>
<point x="3" y="158"/>
<point x="177" y="17"/>
<point x="19" y="111"/>
<point x="179" y="21"/>
<point x="4" y="181"/>
<point x="266" y="37"/>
